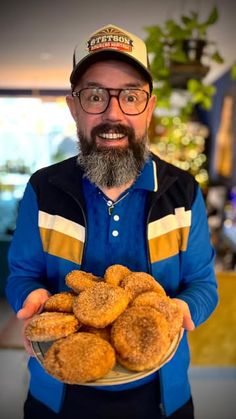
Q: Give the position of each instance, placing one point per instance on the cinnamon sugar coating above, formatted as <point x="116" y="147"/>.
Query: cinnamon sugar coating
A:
<point x="79" y="358"/>
<point x="100" y="305"/>
<point x="140" y="338"/>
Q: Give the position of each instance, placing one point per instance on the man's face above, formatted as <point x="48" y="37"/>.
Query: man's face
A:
<point x="111" y="133"/>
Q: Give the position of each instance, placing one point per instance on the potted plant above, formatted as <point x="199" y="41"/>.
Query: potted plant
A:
<point x="177" y="53"/>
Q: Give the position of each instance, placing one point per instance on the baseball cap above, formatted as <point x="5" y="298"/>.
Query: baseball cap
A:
<point x="111" y="42"/>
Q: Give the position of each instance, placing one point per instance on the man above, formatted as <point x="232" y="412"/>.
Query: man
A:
<point x="115" y="203"/>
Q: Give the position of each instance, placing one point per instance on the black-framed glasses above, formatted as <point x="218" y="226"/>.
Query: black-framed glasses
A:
<point x="95" y="100"/>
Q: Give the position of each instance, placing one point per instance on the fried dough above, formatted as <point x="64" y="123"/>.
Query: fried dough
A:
<point x="61" y="302"/>
<point x="140" y="338"/>
<point x="49" y="326"/>
<point x="79" y="358"/>
<point x="104" y="333"/>
<point x="100" y="305"/>
<point x="115" y="273"/>
<point x="138" y="282"/>
<point x="164" y="305"/>
<point x="80" y="280"/>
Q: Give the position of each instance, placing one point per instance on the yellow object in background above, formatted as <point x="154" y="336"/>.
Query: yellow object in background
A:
<point x="214" y="342"/>
<point x="225" y="140"/>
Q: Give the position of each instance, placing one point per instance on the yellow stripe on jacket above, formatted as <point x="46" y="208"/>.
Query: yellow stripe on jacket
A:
<point x="169" y="235"/>
<point x="61" y="237"/>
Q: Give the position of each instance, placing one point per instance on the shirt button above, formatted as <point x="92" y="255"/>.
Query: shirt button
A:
<point x="116" y="217"/>
<point x="115" y="233"/>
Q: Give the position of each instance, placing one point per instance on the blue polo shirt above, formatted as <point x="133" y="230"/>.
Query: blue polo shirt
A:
<point x="118" y="237"/>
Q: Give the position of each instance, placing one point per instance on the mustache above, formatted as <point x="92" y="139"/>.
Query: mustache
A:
<point x="116" y="128"/>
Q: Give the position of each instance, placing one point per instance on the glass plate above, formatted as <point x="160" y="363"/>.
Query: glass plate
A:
<point x="118" y="375"/>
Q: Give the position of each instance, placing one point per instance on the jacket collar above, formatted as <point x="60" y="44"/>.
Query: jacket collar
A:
<point x="165" y="175"/>
<point x="69" y="174"/>
<point x="68" y="177"/>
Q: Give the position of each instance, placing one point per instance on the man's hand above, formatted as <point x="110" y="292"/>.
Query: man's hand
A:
<point x="33" y="304"/>
<point x="187" y="320"/>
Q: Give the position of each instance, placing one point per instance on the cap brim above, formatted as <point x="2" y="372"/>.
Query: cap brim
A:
<point x="83" y="64"/>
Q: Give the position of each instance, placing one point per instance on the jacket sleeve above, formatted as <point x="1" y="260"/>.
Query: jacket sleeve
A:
<point x="26" y="256"/>
<point x="198" y="284"/>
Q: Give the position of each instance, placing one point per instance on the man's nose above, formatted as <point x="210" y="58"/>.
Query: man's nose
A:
<point x="113" y="111"/>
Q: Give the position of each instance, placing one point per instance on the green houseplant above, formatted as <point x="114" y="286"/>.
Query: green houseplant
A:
<point x="177" y="52"/>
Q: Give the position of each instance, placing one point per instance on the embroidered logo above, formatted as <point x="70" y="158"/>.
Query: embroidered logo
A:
<point x="110" y="38"/>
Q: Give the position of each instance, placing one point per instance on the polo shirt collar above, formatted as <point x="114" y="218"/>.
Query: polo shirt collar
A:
<point x="148" y="177"/>
<point x="146" y="180"/>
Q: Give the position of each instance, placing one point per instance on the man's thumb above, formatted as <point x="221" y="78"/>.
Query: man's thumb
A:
<point x="28" y="310"/>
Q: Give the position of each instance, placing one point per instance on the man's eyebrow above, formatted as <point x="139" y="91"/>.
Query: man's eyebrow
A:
<point x="92" y="84"/>
<point x="135" y="85"/>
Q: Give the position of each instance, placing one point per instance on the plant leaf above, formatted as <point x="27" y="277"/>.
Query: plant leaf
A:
<point x="217" y="57"/>
<point x="178" y="56"/>
<point x="154" y="39"/>
<point x="174" y="31"/>
<point x="209" y="90"/>
<point x="186" y="20"/>
<point x="206" y="103"/>
<point x="198" y="97"/>
<point x="233" y="72"/>
<point x="193" y="85"/>
<point x="213" y="16"/>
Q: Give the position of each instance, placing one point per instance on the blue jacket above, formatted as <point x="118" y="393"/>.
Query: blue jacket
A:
<point x="49" y="241"/>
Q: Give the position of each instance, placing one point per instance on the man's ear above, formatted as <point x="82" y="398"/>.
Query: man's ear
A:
<point x="71" y="105"/>
<point x="151" y="108"/>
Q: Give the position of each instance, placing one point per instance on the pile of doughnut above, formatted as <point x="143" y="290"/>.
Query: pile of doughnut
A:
<point x="125" y="317"/>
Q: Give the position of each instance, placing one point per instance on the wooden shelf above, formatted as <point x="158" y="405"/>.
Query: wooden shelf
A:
<point x="181" y="73"/>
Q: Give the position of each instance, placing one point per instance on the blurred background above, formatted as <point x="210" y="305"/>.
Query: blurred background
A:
<point x="192" y="53"/>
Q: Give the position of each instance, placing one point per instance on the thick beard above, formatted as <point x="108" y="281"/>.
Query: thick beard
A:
<point x="112" y="167"/>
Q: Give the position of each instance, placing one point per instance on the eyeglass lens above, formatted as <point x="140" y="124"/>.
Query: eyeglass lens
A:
<point x="96" y="100"/>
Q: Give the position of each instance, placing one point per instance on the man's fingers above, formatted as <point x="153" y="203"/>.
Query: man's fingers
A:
<point x="188" y="323"/>
<point x="33" y="304"/>
<point x="26" y="341"/>
<point x="187" y="320"/>
<point x="28" y="346"/>
<point x="29" y="310"/>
